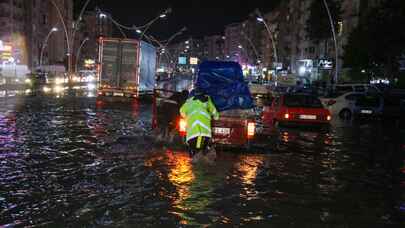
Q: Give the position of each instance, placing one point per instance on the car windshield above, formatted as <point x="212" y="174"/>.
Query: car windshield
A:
<point x="302" y="101"/>
<point x="368" y="101"/>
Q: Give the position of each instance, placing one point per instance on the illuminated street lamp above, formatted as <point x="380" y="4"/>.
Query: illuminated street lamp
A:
<point x="138" y="31"/>
<point x="70" y="37"/>
<point x="54" y="29"/>
<point x="163" y="15"/>
<point x="102" y="15"/>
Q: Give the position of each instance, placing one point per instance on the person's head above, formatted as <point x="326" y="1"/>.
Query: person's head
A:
<point x="184" y="93"/>
<point x="200" y="95"/>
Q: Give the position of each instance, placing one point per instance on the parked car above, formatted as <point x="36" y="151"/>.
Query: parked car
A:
<point x="368" y="107"/>
<point x="341" y="104"/>
<point x="296" y="109"/>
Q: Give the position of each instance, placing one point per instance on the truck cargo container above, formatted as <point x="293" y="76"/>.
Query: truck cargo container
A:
<point x="127" y="68"/>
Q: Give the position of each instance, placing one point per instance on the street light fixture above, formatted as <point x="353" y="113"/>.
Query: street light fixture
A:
<point x="54" y="29"/>
<point x="163" y="15"/>
<point x="260" y="19"/>
<point x="138" y="31"/>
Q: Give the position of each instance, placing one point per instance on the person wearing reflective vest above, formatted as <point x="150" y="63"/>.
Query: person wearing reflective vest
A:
<point x="198" y="111"/>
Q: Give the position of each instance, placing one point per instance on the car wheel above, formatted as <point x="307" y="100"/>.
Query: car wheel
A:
<point x="345" y="114"/>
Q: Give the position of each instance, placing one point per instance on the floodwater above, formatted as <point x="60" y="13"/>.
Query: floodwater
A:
<point x="66" y="163"/>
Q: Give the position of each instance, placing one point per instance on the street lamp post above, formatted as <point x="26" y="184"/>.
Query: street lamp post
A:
<point x="69" y="39"/>
<point x="261" y="19"/>
<point x="54" y="29"/>
<point x="335" y="41"/>
<point x="164" y="46"/>
<point x="163" y="15"/>
<point x="78" y="52"/>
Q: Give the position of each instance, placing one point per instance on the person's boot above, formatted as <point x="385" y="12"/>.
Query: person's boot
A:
<point x="211" y="155"/>
<point x="197" y="157"/>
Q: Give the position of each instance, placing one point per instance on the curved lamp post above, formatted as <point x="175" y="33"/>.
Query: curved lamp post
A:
<point x="262" y="20"/>
<point x="69" y="39"/>
<point x="163" y="15"/>
<point x="335" y="41"/>
<point x="78" y="52"/>
<point x="44" y="44"/>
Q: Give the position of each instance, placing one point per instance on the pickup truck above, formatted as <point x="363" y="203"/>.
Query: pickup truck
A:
<point x="235" y="128"/>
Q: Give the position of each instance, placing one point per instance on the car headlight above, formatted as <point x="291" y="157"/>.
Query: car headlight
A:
<point x="46" y="89"/>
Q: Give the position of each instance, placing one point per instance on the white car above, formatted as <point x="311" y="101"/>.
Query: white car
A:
<point x="342" y="105"/>
<point x="359" y="88"/>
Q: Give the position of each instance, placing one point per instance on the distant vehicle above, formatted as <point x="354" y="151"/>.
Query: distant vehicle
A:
<point x="359" y="88"/>
<point x="280" y="89"/>
<point x="342" y="105"/>
<point x="368" y="107"/>
<point x="127" y="68"/>
<point x="296" y="109"/>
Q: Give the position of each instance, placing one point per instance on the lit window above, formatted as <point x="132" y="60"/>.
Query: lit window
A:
<point x="340" y="27"/>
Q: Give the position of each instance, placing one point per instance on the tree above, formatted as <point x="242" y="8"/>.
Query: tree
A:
<point x="318" y="24"/>
<point x="378" y="42"/>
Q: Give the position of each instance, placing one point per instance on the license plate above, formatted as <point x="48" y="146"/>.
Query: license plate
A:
<point x="308" y="117"/>
<point x="366" y="112"/>
<point x="222" y="131"/>
<point x="119" y="94"/>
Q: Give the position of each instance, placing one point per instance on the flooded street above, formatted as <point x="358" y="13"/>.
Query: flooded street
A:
<point x="66" y="163"/>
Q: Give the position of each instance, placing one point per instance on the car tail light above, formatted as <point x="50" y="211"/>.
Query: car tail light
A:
<point x="328" y="117"/>
<point x="286" y="116"/>
<point x="331" y="102"/>
<point x="251" y="129"/>
<point x="182" y="126"/>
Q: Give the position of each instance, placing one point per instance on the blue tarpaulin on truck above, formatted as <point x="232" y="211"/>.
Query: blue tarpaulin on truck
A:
<point x="224" y="82"/>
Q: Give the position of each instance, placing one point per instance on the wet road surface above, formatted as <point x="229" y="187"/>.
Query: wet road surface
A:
<point x="66" y="163"/>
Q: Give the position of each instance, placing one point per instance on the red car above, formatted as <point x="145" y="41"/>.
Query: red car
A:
<point x="296" y="109"/>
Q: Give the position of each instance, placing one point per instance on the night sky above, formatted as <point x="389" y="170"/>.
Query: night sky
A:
<point x="201" y="17"/>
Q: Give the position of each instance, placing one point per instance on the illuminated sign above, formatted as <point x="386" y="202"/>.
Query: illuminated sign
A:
<point x="182" y="60"/>
<point x="193" y="61"/>
<point x="325" y="64"/>
<point x="89" y="63"/>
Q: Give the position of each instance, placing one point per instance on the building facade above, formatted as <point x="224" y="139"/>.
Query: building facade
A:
<point x="25" y="26"/>
<point x="214" y="47"/>
<point x="233" y="42"/>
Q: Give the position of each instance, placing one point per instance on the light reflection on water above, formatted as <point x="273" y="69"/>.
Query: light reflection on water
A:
<point x="61" y="165"/>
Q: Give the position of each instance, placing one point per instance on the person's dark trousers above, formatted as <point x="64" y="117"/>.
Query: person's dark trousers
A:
<point x="197" y="145"/>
